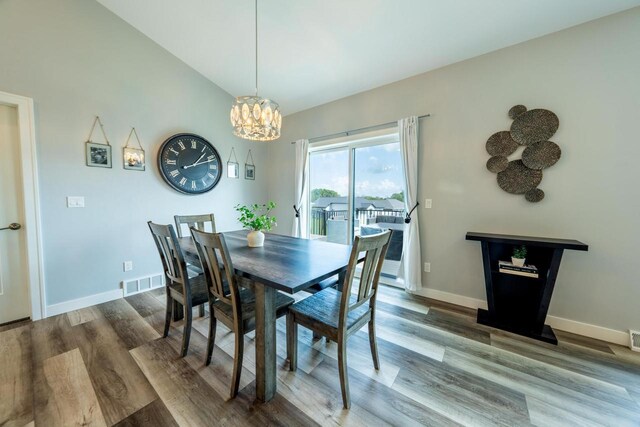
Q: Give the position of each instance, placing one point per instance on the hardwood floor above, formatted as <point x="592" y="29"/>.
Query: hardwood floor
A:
<point x="108" y="365"/>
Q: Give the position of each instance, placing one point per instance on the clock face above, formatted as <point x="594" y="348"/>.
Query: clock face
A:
<point x="189" y="163"/>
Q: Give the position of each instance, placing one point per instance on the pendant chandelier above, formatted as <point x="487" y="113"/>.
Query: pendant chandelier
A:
<point x="253" y="117"/>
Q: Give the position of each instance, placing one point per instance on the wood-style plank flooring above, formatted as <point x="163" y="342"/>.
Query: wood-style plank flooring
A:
<point x="108" y="365"/>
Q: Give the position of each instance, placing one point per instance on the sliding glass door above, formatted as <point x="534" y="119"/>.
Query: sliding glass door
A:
<point x="357" y="188"/>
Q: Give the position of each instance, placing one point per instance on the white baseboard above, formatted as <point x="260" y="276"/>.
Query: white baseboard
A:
<point x="76" y="304"/>
<point x="567" y="325"/>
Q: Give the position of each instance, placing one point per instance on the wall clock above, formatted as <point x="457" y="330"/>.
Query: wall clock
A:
<point x="189" y="163"/>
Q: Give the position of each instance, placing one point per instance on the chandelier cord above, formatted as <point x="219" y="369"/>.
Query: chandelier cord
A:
<point x="256" y="4"/>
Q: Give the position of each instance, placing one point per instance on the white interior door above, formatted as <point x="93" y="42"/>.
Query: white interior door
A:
<point x="14" y="288"/>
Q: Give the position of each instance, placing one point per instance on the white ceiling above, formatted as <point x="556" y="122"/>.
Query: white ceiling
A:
<point x="315" y="51"/>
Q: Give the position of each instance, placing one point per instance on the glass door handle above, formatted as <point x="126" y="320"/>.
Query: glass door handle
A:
<point x="12" y="226"/>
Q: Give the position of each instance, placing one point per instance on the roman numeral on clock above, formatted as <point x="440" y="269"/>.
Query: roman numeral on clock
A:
<point x="174" y="173"/>
<point x="171" y="162"/>
<point x="181" y="144"/>
<point x="183" y="181"/>
<point x="194" y="144"/>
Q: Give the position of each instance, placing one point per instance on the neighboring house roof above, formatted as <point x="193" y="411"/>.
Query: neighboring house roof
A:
<point x="360" y="202"/>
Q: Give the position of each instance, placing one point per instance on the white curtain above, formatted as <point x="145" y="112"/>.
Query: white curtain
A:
<point x="300" y="184"/>
<point x="410" y="273"/>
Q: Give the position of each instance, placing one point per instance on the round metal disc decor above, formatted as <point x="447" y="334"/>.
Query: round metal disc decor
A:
<point x="541" y="155"/>
<point x="534" y="196"/>
<point x="534" y="126"/>
<point x="501" y="144"/>
<point x="497" y="164"/>
<point x="518" y="179"/>
<point x="517" y="110"/>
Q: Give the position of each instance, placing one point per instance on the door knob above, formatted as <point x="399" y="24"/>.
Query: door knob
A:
<point x="12" y="226"/>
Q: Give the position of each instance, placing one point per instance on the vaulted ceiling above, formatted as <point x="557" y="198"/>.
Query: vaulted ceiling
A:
<point x="315" y="51"/>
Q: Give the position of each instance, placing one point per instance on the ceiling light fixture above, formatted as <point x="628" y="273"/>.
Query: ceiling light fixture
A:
<point x="253" y="117"/>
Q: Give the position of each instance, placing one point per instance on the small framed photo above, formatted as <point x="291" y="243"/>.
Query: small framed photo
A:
<point x="249" y="171"/>
<point x="133" y="159"/>
<point x="98" y="155"/>
<point x="233" y="170"/>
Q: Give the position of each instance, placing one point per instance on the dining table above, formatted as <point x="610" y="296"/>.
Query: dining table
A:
<point x="285" y="264"/>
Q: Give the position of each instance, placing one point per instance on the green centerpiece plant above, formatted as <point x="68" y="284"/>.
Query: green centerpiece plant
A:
<point x="257" y="219"/>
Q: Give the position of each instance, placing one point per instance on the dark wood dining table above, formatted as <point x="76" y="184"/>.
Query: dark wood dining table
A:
<point x="284" y="264"/>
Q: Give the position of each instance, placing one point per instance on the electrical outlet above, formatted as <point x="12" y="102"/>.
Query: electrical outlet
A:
<point x="427" y="267"/>
<point x="128" y="265"/>
<point x="75" y="202"/>
<point x="427" y="203"/>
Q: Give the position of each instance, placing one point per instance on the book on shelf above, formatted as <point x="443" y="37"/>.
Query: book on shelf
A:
<point x="525" y="270"/>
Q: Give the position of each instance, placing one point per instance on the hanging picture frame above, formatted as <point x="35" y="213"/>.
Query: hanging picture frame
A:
<point x="249" y="168"/>
<point x="133" y="158"/>
<point x="98" y="155"/>
<point x="233" y="168"/>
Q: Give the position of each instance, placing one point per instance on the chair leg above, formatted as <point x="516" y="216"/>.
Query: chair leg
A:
<point x="186" y="333"/>
<point x="212" y="336"/>
<point x="202" y="310"/>
<point x="167" y="318"/>
<point x="373" y="343"/>
<point x="292" y="342"/>
<point x="344" y="375"/>
<point x="237" y="363"/>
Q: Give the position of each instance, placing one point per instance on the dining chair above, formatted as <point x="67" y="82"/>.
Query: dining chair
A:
<point x="233" y="306"/>
<point x="188" y="291"/>
<point x="200" y="222"/>
<point x="338" y="315"/>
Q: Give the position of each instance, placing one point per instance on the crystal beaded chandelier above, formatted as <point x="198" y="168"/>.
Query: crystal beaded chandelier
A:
<point x="253" y="117"/>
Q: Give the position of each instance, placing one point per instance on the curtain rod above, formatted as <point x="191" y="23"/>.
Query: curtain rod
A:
<point x="357" y="131"/>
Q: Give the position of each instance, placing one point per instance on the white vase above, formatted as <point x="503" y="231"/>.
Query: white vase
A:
<point x="519" y="262"/>
<point x="255" y="239"/>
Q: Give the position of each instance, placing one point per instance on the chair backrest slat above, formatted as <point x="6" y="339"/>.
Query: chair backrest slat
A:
<point x="375" y="247"/>
<point x="171" y="255"/>
<point x="198" y="221"/>
<point x="217" y="266"/>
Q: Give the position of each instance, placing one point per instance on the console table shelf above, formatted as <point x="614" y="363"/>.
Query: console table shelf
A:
<point x="515" y="303"/>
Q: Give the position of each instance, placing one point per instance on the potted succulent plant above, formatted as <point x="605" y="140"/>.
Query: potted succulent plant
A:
<point x="519" y="255"/>
<point x="256" y="218"/>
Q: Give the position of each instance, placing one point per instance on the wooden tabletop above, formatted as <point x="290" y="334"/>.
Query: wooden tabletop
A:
<point x="286" y="263"/>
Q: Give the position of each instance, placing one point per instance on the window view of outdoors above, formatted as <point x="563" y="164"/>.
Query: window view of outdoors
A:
<point x="378" y="191"/>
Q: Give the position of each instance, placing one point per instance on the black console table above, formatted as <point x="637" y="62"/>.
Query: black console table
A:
<point x="519" y="304"/>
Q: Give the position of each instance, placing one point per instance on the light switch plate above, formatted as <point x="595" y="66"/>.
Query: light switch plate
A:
<point x="127" y="265"/>
<point x="427" y="203"/>
<point x="75" y="202"/>
<point x="427" y="267"/>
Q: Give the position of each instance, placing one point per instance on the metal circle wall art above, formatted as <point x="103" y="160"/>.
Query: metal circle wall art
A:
<point x="516" y="110"/>
<point x="531" y="129"/>
<point x="497" y="164"/>
<point x="541" y="155"/>
<point x="534" y="126"/>
<point x="518" y="179"/>
<point x="501" y="144"/>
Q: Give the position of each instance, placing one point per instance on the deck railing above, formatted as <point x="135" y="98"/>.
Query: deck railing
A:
<point x="319" y="218"/>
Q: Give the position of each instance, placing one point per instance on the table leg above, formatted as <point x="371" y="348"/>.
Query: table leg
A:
<point x="265" y="342"/>
<point x="341" y="277"/>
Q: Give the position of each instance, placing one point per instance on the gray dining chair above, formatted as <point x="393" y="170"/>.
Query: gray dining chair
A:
<point x="338" y="315"/>
<point x="205" y="222"/>
<point x="188" y="291"/>
<point x="200" y="222"/>
<point x="228" y="303"/>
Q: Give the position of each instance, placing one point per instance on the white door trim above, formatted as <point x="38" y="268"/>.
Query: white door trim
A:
<point x="31" y="198"/>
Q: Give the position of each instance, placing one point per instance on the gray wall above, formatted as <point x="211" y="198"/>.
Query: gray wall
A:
<point x="76" y="59"/>
<point x="588" y="75"/>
